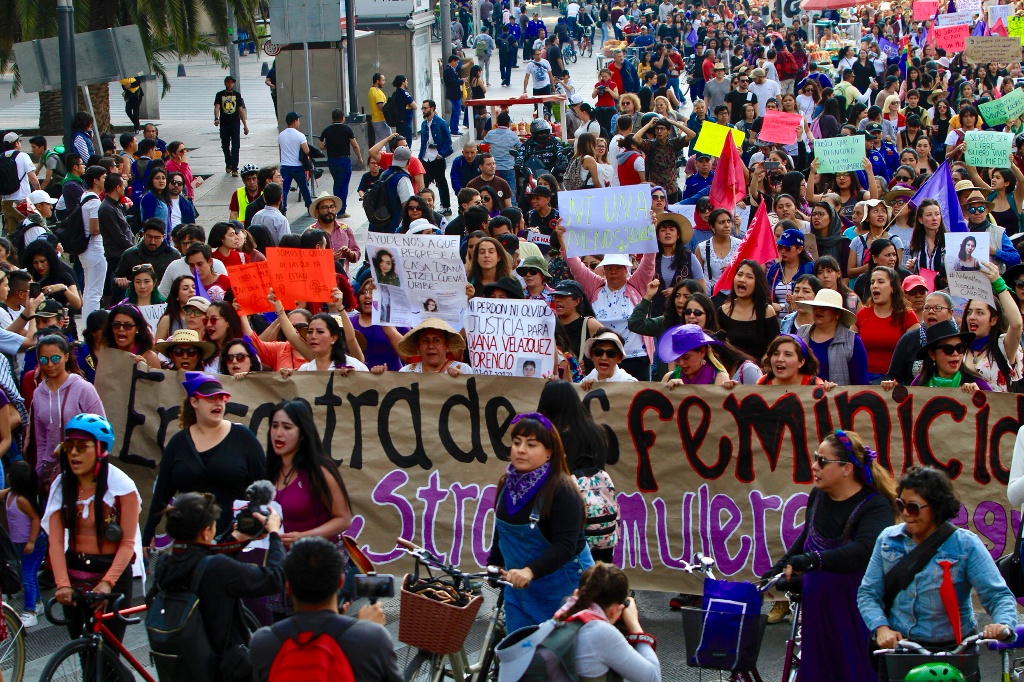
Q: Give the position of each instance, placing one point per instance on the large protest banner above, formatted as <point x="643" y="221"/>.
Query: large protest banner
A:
<point x="988" y="149"/>
<point x="510" y="338"/>
<point x="989" y="49"/>
<point x="839" y="154"/>
<point x="417" y="276"/>
<point x="723" y="472"/>
<point x="608" y="220"/>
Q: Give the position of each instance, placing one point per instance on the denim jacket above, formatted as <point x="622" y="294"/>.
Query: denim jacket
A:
<point x="918" y="613"/>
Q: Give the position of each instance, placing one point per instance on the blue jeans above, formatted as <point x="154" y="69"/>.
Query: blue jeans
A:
<point x="341" y="171"/>
<point x="509" y="176"/>
<point x="298" y="175"/>
<point x="453" y="125"/>
<point x="673" y="82"/>
<point x="405" y="130"/>
<point x="30" y="564"/>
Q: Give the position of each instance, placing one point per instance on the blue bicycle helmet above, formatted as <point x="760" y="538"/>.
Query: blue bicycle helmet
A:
<point x="96" y="426"/>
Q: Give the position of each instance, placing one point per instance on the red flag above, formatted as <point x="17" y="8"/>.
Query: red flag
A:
<point x="999" y="28"/>
<point x="758" y="245"/>
<point x="728" y="186"/>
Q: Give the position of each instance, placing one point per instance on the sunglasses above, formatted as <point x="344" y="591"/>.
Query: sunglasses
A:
<point x="975" y="210"/>
<point x="903" y="178"/>
<point x="213" y="320"/>
<point x="413" y="207"/>
<point x="1018" y="283"/>
<point x="301" y="328"/>
<point x="605" y="352"/>
<point x="659" y="197"/>
<point x="236" y="357"/>
<point x="142" y="266"/>
<point x="531" y="272"/>
<point x="123" y="325"/>
<point x="177" y="183"/>
<point x="950" y="349"/>
<point x="821" y="461"/>
<point x="696" y="312"/>
<point x="184" y="351"/>
<point x="909" y="508"/>
<point x="78" y="444"/>
<point x="48" y="359"/>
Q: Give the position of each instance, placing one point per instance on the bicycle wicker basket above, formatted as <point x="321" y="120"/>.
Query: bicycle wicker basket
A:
<point x="432" y="625"/>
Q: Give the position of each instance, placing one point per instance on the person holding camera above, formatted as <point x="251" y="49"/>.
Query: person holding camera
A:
<point x="191" y="521"/>
<point x="315" y="571"/>
<point x="209" y="454"/>
<point x="92" y="544"/>
<point x="309" y="486"/>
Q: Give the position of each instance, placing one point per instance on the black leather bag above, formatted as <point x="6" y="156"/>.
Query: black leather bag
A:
<point x="1010" y="568"/>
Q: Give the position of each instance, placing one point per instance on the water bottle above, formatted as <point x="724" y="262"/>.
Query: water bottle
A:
<point x="852" y="300"/>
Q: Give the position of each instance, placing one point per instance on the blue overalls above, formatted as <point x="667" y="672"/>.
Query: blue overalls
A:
<point x="532" y="605"/>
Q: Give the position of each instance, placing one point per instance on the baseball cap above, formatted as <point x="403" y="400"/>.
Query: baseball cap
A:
<point x="873" y="127"/>
<point x="568" y="287"/>
<point x="791" y="238"/>
<point x="49" y="308"/>
<point x="199" y="303"/>
<point x="701" y="156"/>
<point x="292" y="117"/>
<point x="541" y="191"/>
<point x="401" y="157"/>
<point x="41" y="196"/>
<point x="913" y="282"/>
<point x="574" y="100"/>
<point x="11" y="137"/>
<point x="229" y="77"/>
<point x="203" y="385"/>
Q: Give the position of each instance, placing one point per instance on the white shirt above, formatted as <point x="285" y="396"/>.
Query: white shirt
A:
<point x="176" y="210"/>
<point x="178" y="268"/>
<point x="591" y="126"/>
<point x="431" y="152"/>
<point x="769" y="68"/>
<point x="90" y="204"/>
<point x="541" y="72"/>
<point x="572" y="9"/>
<point x="619" y="375"/>
<point x="24" y="163"/>
<point x="764" y="92"/>
<point x="290" y="141"/>
<point x="349" y="361"/>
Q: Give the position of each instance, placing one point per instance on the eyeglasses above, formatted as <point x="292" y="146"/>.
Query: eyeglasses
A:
<point x="940" y="308"/>
<point x="903" y="178"/>
<point x="696" y="312"/>
<point x="184" y="351"/>
<point x="325" y="207"/>
<point x="48" y="359"/>
<point x="659" y="197"/>
<point x="909" y="508"/>
<point x="194" y="312"/>
<point x="605" y="352"/>
<point x="123" y="325"/>
<point x="975" y="210"/>
<point x="142" y="266"/>
<point x="950" y="349"/>
<point x="213" y="319"/>
<point x="236" y="357"/>
<point x="177" y="183"/>
<point x="821" y="461"/>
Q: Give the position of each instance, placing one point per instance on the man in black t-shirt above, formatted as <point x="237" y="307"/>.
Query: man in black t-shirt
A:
<point x="339" y="141"/>
<point x="229" y="115"/>
<point x="738" y="98"/>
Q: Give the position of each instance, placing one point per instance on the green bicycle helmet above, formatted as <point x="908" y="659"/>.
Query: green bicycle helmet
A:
<point x="932" y="672"/>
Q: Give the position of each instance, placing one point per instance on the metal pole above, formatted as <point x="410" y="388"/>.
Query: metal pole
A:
<point x="68" y="72"/>
<point x="350" y="52"/>
<point x="309" y="106"/>
<point x="233" y="48"/>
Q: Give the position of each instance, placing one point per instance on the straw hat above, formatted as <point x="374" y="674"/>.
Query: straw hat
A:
<point x="681" y="221"/>
<point x="316" y="202"/>
<point x="966" y="186"/>
<point x="897" y="192"/>
<point x="936" y="95"/>
<point x="977" y="197"/>
<point x="187" y="337"/>
<point x="832" y="299"/>
<point x="456" y="344"/>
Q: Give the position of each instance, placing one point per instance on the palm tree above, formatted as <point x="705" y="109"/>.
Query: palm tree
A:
<point x="169" y="30"/>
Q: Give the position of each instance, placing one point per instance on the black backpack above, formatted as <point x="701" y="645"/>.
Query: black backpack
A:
<point x="71" y="231"/>
<point x="377" y="203"/>
<point x="178" y="644"/>
<point x="10" y="181"/>
<point x="394" y="111"/>
<point x="10" y="564"/>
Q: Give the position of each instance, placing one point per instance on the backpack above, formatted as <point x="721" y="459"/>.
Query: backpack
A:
<point x="394" y="111"/>
<point x="600" y="506"/>
<point x="55" y="188"/>
<point x="377" y="202"/>
<point x="10" y="564"/>
<point x="554" y="656"/>
<point x="305" y="656"/>
<point x="71" y="231"/>
<point x="10" y="181"/>
<point x="178" y="642"/>
<point x="481" y="48"/>
<point x="573" y="178"/>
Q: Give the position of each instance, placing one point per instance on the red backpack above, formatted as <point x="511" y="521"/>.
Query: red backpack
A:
<point x="315" y="655"/>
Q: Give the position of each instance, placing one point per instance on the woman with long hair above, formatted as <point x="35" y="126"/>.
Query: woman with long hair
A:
<point x="56" y="279"/>
<point x="227" y="239"/>
<point x="805" y="288"/>
<point x="491" y="201"/>
<point x="807" y="100"/>
<point x="941" y="120"/>
<point x="827" y="228"/>
<point x="93" y="339"/>
<point x="127" y="330"/>
<point x="882" y="253"/>
<point x="747" y="315"/>
<point x="575" y="316"/>
<point x="478" y="90"/>
<point x="92" y="519"/>
<point x="209" y="454"/>
<point x="222" y="323"/>
<point x="584" y="161"/>
<point x="414" y="208"/>
<point x="326" y="339"/>
<point x="239" y="358"/>
<point x="1006" y="192"/>
<point x="718" y="253"/>
<point x="142" y="286"/>
<point x="156" y="201"/>
<point x="490" y="263"/>
<point x="852" y="502"/>
<point x="927" y="249"/>
<point x="538" y="525"/>
<point x="175" y="316"/>
<point x="25" y="524"/>
<point x="793" y="261"/>
<point x="177" y="162"/>
<point x="586" y="442"/>
<point x="965" y="258"/>
<point x="381" y="340"/>
<point x="309" y="485"/>
<point x="830" y="274"/>
<point x="875" y="226"/>
<point x="886" y="317"/>
<point x="995" y="352"/>
<point x="845" y="184"/>
<point x="788" y="361"/>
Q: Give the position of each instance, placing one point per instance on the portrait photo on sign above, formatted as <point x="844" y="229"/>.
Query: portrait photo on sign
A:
<point x="384" y="297"/>
<point x="527" y="368"/>
<point x="386" y="265"/>
<point x="965" y="251"/>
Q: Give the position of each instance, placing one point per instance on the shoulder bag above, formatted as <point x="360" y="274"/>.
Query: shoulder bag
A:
<point x="1010" y="568"/>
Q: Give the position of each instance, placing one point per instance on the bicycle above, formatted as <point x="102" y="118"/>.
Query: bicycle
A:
<point x="94" y="655"/>
<point x="587" y="42"/>
<point x="791" y="664"/>
<point x="569" y="52"/>
<point x="907" y="655"/>
<point x="439" y="631"/>
<point x="12" y="645"/>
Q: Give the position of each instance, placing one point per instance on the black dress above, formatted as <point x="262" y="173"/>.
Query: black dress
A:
<point x="750" y="336"/>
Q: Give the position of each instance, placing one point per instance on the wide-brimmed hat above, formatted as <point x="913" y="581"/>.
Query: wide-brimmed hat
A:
<point x="680" y="340"/>
<point x="187" y="337"/>
<point x="1013" y="273"/>
<point x="830" y="298"/>
<point x="939" y="332"/>
<point x="977" y="197"/>
<point x="606" y="337"/>
<point x="510" y="285"/>
<point x="900" y="190"/>
<point x="966" y="186"/>
<point x="617" y="259"/>
<point x="456" y="344"/>
<point x="203" y="385"/>
<point x="316" y="203"/>
<point x="538" y="262"/>
<point x="871" y="203"/>
<point x="681" y="221"/>
<point x="936" y="95"/>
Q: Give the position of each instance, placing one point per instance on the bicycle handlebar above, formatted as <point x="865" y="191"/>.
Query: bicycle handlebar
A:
<point x="85" y="599"/>
<point x="908" y="645"/>
<point x="492" y="574"/>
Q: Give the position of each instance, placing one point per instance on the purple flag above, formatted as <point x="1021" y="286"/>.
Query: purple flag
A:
<point x="940" y="187"/>
<point x="200" y="289"/>
<point x="951" y="7"/>
<point x="691" y="38"/>
<point x="980" y="28"/>
<point x="890" y="48"/>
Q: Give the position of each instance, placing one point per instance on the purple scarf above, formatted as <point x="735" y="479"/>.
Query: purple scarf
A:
<point x="705" y="376"/>
<point x="520" y="488"/>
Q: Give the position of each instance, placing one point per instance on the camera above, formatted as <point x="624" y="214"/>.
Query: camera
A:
<point x="113" y="533"/>
<point x="431" y="146"/>
<point x="372" y="586"/>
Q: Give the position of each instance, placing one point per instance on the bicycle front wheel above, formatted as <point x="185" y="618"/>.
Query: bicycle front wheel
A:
<point x="76" y="662"/>
<point x="424" y="667"/>
<point x="12" y="647"/>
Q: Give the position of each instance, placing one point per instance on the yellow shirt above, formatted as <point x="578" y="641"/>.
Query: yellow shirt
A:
<point x="377" y="96"/>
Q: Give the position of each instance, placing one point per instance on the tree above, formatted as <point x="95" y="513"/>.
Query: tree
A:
<point x="169" y="31"/>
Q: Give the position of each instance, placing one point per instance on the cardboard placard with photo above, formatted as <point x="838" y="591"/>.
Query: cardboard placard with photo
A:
<point x="965" y="252"/>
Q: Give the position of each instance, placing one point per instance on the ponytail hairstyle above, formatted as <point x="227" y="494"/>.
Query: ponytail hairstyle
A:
<point x="190" y="515"/>
<point x="602" y="584"/>
<point x="866" y="468"/>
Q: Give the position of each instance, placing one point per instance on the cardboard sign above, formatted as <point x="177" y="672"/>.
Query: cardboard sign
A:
<point x="988" y="149"/>
<point x="997" y="12"/>
<point x="153" y="313"/>
<point x="780" y="127"/>
<point x="511" y="338"/>
<point x="925" y="9"/>
<point x="417" y="276"/>
<point x="301" y="274"/>
<point x="1015" y="27"/>
<point x="992" y="49"/>
<point x="1004" y="109"/>
<point x="608" y="220"/>
<point x="954" y="19"/>
<point x="965" y="251"/>
<point x="722" y="472"/>
<point x="250" y="283"/>
<point x="712" y="138"/>
<point x="972" y="6"/>
<point x="840" y="154"/>
<point x="951" y="38"/>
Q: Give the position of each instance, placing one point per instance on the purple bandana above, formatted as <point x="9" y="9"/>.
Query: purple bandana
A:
<point x="521" y="487"/>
